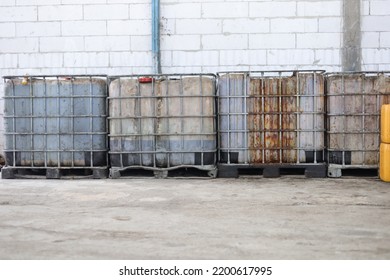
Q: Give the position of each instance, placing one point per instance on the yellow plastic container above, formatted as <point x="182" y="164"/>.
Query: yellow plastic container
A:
<point x="385" y="123"/>
<point x="384" y="173"/>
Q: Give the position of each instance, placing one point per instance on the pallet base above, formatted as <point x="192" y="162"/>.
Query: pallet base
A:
<point x="53" y="173"/>
<point x="337" y="171"/>
<point x="182" y="172"/>
<point x="272" y="170"/>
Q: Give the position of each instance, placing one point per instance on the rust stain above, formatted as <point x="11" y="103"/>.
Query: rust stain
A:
<point x="272" y="120"/>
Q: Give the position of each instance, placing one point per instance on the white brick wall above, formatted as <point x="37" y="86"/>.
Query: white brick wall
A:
<point x="258" y="34"/>
<point x="376" y="35"/>
<point x="114" y="36"/>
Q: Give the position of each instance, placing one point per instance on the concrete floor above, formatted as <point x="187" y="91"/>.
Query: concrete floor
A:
<point x="247" y="218"/>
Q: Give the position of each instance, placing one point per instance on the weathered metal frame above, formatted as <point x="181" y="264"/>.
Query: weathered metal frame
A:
<point x="335" y="169"/>
<point x="244" y="96"/>
<point x="138" y="99"/>
<point x="58" y="116"/>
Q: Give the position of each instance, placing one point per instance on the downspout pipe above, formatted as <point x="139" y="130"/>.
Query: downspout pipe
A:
<point x="156" y="36"/>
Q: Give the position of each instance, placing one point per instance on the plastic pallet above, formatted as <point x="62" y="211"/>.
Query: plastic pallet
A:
<point x="53" y="173"/>
<point x="272" y="170"/>
<point x="182" y="172"/>
<point x="337" y="171"/>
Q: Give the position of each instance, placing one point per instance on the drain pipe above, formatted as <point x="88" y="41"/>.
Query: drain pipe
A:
<point x="156" y="36"/>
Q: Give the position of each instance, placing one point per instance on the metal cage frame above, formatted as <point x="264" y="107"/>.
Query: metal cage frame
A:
<point x="156" y="117"/>
<point x="244" y="97"/>
<point x="362" y="95"/>
<point x="28" y="79"/>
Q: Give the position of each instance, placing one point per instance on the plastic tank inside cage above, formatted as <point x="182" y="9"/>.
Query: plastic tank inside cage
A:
<point x="272" y="117"/>
<point x="162" y="122"/>
<point x="55" y="122"/>
<point x="353" y="112"/>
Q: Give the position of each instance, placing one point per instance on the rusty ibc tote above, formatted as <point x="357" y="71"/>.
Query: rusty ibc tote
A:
<point x="353" y="125"/>
<point x="164" y="125"/>
<point x="55" y="126"/>
<point x="271" y="122"/>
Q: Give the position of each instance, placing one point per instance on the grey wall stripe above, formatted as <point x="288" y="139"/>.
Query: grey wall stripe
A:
<point x="351" y="51"/>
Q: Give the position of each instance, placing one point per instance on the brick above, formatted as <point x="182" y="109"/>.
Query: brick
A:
<point x="63" y="12"/>
<point x="86" y="59"/>
<point x="8" y="60"/>
<point x="290" y="57"/>
<point x="234" y="68"/>
<point x="385" y="39"/>
<point x="371" y="67"/>
<point x="34" y="29"/>
<point x="7" y="29"/>
<point x="131" y="59"/>
<point x="14" y="14"/>
<point x="294" y="25"/>
<point x="380" y="7"/>
<point x="106" y="12"/>
<point x="330" y="24"/>
<point x="166" y="58"/>
<point x="257" y="57"/>
<point x="370" y="40"/>
<point x="327" y="57"/>
<point x="17" y="45"/>
<point x="140" y="43"/>
<point x="180" y="42"/>
<point x="96" y="70"/>
<point x="375" y="23"/>
<point x="365" y="8"/>
<point x="127" y="1"/>
<point x="181" y="10"/>
<point x="198" y="26"/>
<point x="320" y="8"/>
<point x="137" y="70"/>
<point x="40" y="60"/>
<point x="168" y="26"/>
<point x="225" y="42"/>
<point x="107" y="43"/>
<point x="197" y="58"/>
<point x="141" y="11"/>
<point x="37" y="2"/>
<point x="319" y="40"/>
<point x="274" y="41"/>
<point x="225" y="10"/>
<point x="235" y="57"/>
<point x="129" y="27"/>
<point x="272" y="9"/>
<point x="65" y="71"/>
<point x="61" y="44"/>
<point x="246" y="25"/>
<point x="76" y="28"/>
<point x="202" y="1"/>
<point x="67" y="2"/>
<point x="8" y="3"/>
<point x="375" y="56"/>
<point x="182" y="69"/>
